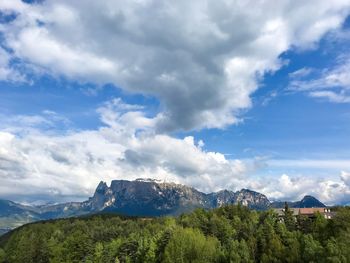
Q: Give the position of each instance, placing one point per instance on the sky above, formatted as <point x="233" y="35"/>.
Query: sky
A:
<point x="211" y="94"/>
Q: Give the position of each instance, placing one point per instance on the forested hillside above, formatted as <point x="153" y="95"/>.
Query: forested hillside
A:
<point x="227" y="234"/>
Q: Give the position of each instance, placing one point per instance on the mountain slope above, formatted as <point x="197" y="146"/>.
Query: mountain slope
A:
<point x="149" y="198"/>
<point x="141" y="198"/>
<point x="145" y="198"/>
<point x="308" y="201"/>
<point x="13" y="215"/>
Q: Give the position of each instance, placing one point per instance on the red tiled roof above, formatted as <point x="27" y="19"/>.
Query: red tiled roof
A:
<point x="310" y="211"/>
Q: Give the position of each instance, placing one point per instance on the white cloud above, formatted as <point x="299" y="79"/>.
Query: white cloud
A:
<point x="286" y="187"/>
<point x="46" y="166"/>
<point x="332" y="84"/>
<point x="22" y="124"/>
<point x="6" y="72"/>
<point x="10" y="5"/>
<point x="201" y="59"/>
<point x="331" y="96"/>
<point x="300" y="73"/>
<point x="119" y="115"/>
<point x="345" y="177"/>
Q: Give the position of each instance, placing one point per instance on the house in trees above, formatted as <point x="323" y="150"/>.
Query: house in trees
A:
<point x="309" y="212"/>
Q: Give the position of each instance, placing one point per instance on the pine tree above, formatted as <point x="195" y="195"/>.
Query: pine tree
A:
<point x="2" y="255"/>
<point x="288" y="218"/>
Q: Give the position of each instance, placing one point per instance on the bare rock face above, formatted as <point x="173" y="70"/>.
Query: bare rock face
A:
<point x="245" y="197"/>
<point x="146" y="198"/>
<point x="151" y="198"/>
<point x="102" y="198"/>
<point x="142" y="197"/>
<point x="251" y="199"/>
<point x="222" y="198"/>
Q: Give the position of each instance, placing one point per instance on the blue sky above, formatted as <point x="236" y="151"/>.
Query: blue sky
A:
<point x="265" y="107"/>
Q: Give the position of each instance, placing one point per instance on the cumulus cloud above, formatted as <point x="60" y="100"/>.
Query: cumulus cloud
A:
<point x="345" y="177"/>
<point x="330" y="191"/>
<point x="53" y="166"/>
<point x="39" y="164"/>
<point x="201" y="59"/>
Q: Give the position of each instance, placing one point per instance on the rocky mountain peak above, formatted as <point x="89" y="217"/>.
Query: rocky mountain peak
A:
<point x="252" y="199"/>
<point x="151" y="197"/>
<point x="146" y="198"/>
<point x="102" y="187"/>
<point x="310" y="201"/>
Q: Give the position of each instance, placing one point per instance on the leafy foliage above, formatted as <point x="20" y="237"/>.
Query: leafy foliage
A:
<point x="227" y="234"/>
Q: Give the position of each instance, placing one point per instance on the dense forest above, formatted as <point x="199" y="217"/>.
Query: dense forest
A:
<point x="227" y="234"/>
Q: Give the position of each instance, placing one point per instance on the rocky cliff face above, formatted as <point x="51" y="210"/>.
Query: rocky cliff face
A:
<point x="141" y="198"/>
<point x="145" y="198"/>
<point x="252" y="199"/>
<point x="149" y="198"/>
<point x="245" y="197"/>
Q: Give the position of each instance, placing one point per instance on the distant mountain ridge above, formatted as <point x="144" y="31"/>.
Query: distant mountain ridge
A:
<point x="307" y="202"/>
<point x="142" y="197"/>
<point x="150" y="198"/>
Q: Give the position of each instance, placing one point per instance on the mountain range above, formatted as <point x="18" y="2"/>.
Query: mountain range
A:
<point x="142" y="197"/>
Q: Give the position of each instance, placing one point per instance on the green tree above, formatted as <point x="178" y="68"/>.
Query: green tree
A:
<point x="333" y="252"/>
<point x="343" y="241"/>
<point x="2" y="255"/>
<point x="111" y="250"/>
<point x="270" y="247"/>
<point x="77" y="246"/>
<point x="320" y="227"/>
<point x="291" y="247"/>
<point x="190" y="245"/>
<point x="288" y="218"/>
<point x="150" y="255"/>
<point x="311" y="249"/>
<point x="221" y="228"/>
<point x="238" y="251"/>
<point x="304" y="224"/>
<point x="341" y="221"/>
<point x="226" y="234"/>
<point x="98" y="255"/>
